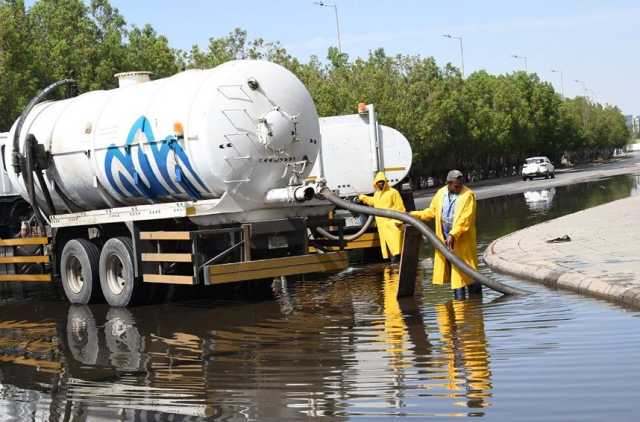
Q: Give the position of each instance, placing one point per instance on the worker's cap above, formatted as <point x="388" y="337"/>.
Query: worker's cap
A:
<point x="453" y="175"/>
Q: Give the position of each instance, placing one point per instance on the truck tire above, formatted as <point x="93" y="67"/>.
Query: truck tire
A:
<point x="117" y="279"/>
<point x="79" y="271"/>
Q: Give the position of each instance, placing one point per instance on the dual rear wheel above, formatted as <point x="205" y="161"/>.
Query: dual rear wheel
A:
<point x="88" y="273"/>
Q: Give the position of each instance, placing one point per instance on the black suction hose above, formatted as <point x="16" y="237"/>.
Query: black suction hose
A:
<point x="429" y="234"/>
<point x="27" y="176"/>
<point x="24" y="162"/>
<point x="34" y="101"/>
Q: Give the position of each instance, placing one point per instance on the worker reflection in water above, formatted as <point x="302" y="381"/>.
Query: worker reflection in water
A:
<point x="461" y="326"/>
<point x="454" y="209"/>
<point x="389" y="232"/>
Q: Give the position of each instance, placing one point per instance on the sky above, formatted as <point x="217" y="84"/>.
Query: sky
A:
<point x="595" y="42"/>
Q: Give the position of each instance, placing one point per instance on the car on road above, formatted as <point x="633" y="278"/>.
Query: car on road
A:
<point x="538" y="167"/>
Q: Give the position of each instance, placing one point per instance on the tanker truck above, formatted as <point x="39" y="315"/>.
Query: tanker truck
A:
<point x="201" y="178"/>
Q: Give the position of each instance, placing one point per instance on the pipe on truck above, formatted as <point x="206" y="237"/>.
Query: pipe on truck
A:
<point x="426" y="232"/>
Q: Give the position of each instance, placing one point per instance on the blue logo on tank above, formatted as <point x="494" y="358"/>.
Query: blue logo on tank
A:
<point x="185" y="177"/>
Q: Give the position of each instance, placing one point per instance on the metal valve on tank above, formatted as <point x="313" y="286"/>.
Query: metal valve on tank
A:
<point x="277" y="129"/>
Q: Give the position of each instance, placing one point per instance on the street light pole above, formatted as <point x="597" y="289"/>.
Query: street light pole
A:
<point x="584" y="87"/>
<point x="335" y="10"/>
<point x="515" y="56"/>
<point x="461" y="51"/>
<point x="561" y="80"/>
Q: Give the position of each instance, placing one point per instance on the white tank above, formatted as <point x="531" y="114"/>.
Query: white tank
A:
<point x="349" y="156"/>
<point x="245" y="128"/>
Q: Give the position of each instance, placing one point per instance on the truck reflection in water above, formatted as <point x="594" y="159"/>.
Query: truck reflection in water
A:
<point x="540" y="200"/>
<point x="279" y="359"/>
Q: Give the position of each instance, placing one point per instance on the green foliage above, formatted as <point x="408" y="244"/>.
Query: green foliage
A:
<point x="57" y="39"/>
<point x="484" y="124"/>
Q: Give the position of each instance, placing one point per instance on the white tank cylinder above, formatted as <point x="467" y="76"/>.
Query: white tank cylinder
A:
<point x="244" y="127"/>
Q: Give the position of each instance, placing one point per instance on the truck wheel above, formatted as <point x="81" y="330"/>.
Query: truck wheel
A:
<point x="117" y="280"/>
<point x="79" y="271"/>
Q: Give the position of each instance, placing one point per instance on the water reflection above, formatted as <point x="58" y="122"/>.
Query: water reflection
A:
<point x="635" y="190"/>
<point x="461" y="326"/>
<point x="540" y="200"/>
<point x="252" y="359"/>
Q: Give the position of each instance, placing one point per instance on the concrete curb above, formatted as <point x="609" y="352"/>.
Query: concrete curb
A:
<point x="555" y="276"/>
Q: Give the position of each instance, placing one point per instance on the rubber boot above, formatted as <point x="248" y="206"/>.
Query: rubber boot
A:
<point x="459" y="294"/>
<point x="475" y="289"/>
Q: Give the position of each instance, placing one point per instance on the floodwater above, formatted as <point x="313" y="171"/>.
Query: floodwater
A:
<point x="335" y="348"/>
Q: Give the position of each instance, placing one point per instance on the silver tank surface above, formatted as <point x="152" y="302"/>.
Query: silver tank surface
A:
<point x="243" y="128"/>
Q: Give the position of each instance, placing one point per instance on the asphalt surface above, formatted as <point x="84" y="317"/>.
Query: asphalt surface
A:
<point x="512" y="185"/>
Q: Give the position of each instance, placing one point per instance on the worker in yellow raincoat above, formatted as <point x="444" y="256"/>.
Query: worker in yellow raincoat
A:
<point x="454" y="209"/>
<point x="389" y="232"/>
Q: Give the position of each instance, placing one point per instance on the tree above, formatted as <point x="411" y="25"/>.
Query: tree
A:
<point x="146" y="50"/>
<point x="484" y="124"/>
<point x="19" y="76"/>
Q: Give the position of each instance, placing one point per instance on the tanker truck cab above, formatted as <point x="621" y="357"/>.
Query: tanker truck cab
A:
<point x="200" y="178"/>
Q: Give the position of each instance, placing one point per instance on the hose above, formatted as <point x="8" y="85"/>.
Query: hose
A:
<point x="29" y="183"/>
<point x="351" y="237"/>
<point x="24" y="162"/>
<point x="34" y="101"/>
<point x="426" y="232"/>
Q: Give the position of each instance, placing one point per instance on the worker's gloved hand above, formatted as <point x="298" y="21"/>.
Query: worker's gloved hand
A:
<point x="450" y="241"/>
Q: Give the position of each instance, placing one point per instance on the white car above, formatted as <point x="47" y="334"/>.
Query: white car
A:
<point x="538" y="167"/>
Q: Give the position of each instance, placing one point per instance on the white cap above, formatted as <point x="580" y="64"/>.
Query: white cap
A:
<point x="453" y="175"/>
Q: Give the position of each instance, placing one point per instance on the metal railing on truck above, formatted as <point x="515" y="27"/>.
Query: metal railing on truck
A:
<point x="16" y="264"/>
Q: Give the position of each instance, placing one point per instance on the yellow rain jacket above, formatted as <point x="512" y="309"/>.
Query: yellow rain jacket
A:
<point x="390" y="234"/>
<point x="463" y="231"/>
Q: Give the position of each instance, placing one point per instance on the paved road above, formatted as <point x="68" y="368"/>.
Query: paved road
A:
<point x="601" y="259"/>
<point x="513" y="185"/>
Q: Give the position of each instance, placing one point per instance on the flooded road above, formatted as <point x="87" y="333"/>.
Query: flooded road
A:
<point x="336" y="348"/>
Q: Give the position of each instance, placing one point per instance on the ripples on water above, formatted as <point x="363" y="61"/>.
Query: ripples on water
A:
<point x="338" y="348"/>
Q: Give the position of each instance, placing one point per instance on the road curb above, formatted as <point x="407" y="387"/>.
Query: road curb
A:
<point x="552" y="275"/>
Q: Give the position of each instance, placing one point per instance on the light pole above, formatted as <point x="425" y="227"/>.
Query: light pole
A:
<point x="515" y="56"/>
<point x="584" y="87"/>
<point x="461" y="51"/>
<point x="561" y="80"/>
<point x="335" y="9"/>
